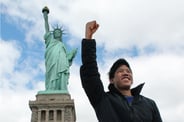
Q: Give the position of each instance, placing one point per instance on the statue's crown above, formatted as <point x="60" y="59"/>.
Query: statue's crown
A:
<point x="58" y="28"/>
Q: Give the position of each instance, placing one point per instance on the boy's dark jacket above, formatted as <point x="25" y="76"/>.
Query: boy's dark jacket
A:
<point x="112" y="106"/>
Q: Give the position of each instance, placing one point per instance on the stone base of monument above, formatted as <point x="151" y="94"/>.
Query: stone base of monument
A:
<point x="52" y="108"/>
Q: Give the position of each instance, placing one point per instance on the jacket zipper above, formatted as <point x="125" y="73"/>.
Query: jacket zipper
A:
<point x="129" y="107"/>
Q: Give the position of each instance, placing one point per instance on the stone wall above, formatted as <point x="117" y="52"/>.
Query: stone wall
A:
<point x="52" y="108"/>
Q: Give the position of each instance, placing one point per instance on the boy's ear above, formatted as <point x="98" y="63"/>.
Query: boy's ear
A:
<point x="111" y="80"/>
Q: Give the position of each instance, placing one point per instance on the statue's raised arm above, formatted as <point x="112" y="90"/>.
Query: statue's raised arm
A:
<point x="45" y="12"/>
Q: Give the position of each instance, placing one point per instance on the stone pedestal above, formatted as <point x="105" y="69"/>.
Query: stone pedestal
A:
<point x="52" y="108"/>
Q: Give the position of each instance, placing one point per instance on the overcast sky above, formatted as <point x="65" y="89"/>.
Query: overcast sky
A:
<point x="149" y="34"/>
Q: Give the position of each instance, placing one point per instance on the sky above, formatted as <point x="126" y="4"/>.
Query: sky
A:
<point x="149" y="34"/>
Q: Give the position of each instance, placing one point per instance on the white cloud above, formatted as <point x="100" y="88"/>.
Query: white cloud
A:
<point x="139" y="23"/>
<point x="9" y="53"/>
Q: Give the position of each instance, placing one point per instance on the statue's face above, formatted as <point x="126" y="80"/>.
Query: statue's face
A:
<point x="57" y="33"/>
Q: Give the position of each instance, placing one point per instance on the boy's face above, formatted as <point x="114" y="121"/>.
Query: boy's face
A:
<point x="122" y="78"/>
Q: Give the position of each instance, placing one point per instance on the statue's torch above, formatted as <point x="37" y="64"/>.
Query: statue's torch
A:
<point x="45" y="10"/>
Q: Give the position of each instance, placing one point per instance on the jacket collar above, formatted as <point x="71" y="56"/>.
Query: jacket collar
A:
<point x="135" y="91"/>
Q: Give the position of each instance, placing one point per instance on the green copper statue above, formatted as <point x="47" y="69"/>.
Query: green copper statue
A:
<point x="57" y="59"/>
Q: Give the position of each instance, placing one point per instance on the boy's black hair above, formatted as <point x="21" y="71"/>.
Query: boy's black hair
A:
<point x="116" y="65"/>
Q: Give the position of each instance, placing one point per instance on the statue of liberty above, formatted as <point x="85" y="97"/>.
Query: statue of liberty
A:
<point x="57" y="59"/>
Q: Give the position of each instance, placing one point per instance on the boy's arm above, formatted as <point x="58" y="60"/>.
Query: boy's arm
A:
<point x="89" y="74"/>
